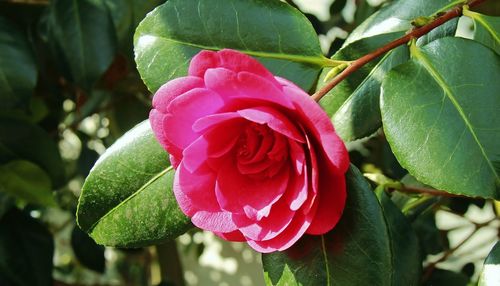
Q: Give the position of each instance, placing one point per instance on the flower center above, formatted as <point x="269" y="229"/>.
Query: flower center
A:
<point x="261" y="152"/>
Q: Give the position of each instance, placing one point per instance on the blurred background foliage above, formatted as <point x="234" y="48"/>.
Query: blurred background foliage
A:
<point x="69" y="88"/>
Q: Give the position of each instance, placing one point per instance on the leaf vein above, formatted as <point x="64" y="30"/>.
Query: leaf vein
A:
<point x="325" y="257"/>
<point x="238" y="32"/>
<point x="315" y="60"/>
<point x="148" y="183"/>
<point x="448" y="92"/>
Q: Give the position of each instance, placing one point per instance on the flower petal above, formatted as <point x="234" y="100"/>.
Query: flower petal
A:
<point x="298" y="191"/>
<point x="202" y="61"/>
<point x="331" y="201"/>
<point x="228" y="59"/>
<point x="157" y="121"/>
<point x="287" y="238"/>
<point x="213" y="144"/>
<point x="239" y="62"/>
<point x="185" y="110"/>
<point x="231" y="236"/>
<point x="174" y="88"/>
<point x="268" y="227"/>
<point x="216" y="221"/>
<point x="237" y="88"/>
<point x="319" y="125"/>
<point x="194" y="191"/>
<point x="240" y="194"/>
<point x="274" y="119"/>
<point x="212" y="120"/>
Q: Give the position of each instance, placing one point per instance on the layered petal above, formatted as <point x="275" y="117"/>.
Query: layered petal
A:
<point x="214" y="221"/>
<point x="231" y="236"/>
<point x="274" y="119"/>
<point x="318" y="125"/>
<point x="194" y="191"/>
<point x="174" y="88"/>
<point x="157" y="121"/>
<point x="256" y="158"/>
<point x="214" y="143"/>
<point x="228" y="59"/>
<point x="187" y="109"/>
<point x="268" y="227"/>
<point x="241" y="194"/>
<point x="287" y="238"/>
<point x="331" y="201"/>
<point x="298" y="189"/>
<point x="245" y="89"/>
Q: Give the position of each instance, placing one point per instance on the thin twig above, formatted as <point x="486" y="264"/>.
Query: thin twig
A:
<point x="430" y="268"/>
<point x="414" y="34"/>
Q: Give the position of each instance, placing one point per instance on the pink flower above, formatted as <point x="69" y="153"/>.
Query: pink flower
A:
<point x="257" y="159"/>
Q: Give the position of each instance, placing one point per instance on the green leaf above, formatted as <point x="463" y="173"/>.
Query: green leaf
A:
<point x="82" y="34"/>
<point x="373" y="244"/>
<point x="404" y="244"/>
<point x="354" y="104"/>
<point x="448" y="29"/>
<point x="88" y="253"/>
<point x="26" y="181"/>
<point x="21" y="139"/>
<point x="397" y="17"/>
<point x="486" y="29"/>
<point x="127" y="14"/>
<point x="442" y="121"/>
<point x="431" y="239"/>
<point x="277" y="34"/>
<point x="491" y="270"/>
<point x="26" y="250"/>
<point x="127" y="199"/>
<point x="18" y="72"/>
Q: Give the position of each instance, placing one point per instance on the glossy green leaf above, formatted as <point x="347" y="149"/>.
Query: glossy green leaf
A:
<point x="26" y="181"/>
<point x="127" y="14"/>
<point x="486" y="29"/>
<point x="18" y="72"/>
<point x="277" y="34"/>
<point x="431" y="239"/>
<point x="354" y="104"/>
<point x="448" y="29"/>
<point x="442" y="121"/>
<point x="373" y="244"/>
<point x="83" y="37"/>
<point x="26" y="250"/>
<point x="21" y="139"/>
<point x="404" y="248"/>
<point x="397" y="17"/>
<point x="490" y="276"/>
<point x="127" y="199"/>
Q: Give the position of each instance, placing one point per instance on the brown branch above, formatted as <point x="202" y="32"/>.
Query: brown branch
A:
<point x="414" y="34"/>
<point x="432" y="266"/>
